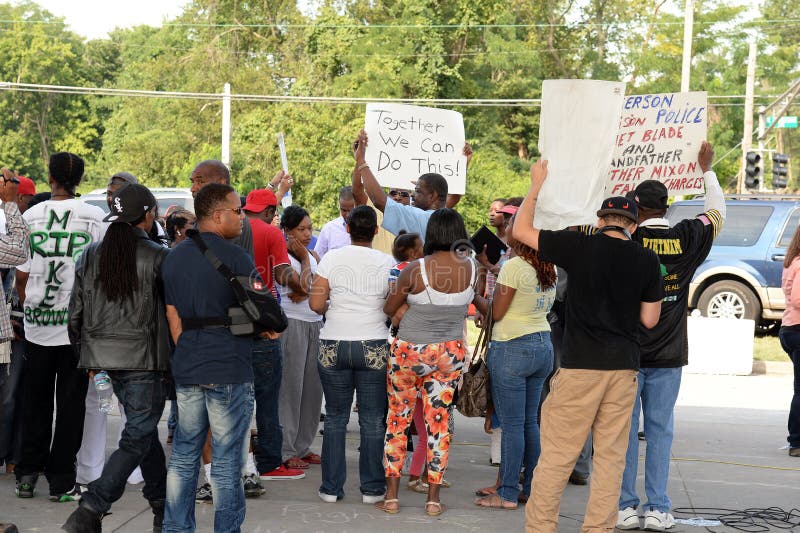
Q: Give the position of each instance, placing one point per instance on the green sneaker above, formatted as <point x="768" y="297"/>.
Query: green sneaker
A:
<point x="72" y="495"/>
<point x="25" y="489"/>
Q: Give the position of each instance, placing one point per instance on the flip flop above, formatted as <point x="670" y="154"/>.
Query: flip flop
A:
<point x="495" y="502"/>
<point x="440" y="508"/>
<point x="382" y="506"/>
<point x="312" y="459"/>
<point x="296" y="463"/>
<point x="486" y="491"/>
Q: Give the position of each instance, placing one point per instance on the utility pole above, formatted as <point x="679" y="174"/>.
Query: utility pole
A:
<point x="688" y="23"/>
<point x="226" y="125"/>
<point x="747" y="135"/>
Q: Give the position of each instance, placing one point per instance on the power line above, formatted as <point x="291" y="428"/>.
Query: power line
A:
<point x="367" y="26"/>
<point x="468" y="102"/>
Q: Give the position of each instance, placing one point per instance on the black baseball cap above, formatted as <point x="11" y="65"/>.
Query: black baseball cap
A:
<point x="130" y="202"/>
<point x="651" y="194"/>
<point x="619" y="205"/>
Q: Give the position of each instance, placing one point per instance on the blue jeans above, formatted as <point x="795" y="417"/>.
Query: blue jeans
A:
<point x="658" y="391"/>
<point x="790" y="341"/>
<point x="141" y="393"/>
<point x="267" y="371"/>
<point x="345" y="366"/>
<point x="517" y="369"/>
<point x="226" y="409"/>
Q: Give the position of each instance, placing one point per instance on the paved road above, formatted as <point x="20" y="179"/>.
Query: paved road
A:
<point x="729" y="431"/>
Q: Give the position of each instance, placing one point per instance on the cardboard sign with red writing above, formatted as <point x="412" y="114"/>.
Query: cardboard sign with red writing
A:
<point x="659" y="138"/>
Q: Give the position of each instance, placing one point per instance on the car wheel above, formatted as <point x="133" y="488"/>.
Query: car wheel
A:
<point x="729" y="299"/>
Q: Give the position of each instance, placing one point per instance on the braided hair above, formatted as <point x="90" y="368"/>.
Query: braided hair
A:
<point x="117" y="273"/>
<point x="67" y="170"/>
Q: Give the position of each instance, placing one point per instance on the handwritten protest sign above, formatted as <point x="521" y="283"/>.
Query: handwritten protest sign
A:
<point x="407" y="141"/>
<point x="577" y="128"/>
<point x="659" y="138"/>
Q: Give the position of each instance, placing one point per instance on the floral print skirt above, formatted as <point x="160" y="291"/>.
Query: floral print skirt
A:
<point x="433" y="371"/>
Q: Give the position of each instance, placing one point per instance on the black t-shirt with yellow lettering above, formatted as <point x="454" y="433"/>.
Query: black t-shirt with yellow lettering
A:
<point x="681" y="249"/>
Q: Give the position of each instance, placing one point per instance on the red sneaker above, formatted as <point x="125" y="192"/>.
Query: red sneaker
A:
<point x="282" y="473"/>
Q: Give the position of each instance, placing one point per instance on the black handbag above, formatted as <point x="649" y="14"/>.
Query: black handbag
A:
<point x="258" y="311"/>
<point x="475" y="394"/>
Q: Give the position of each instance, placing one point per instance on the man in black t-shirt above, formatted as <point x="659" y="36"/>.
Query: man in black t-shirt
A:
<point x="614" y="285"/>
<point x="665" y="348"/>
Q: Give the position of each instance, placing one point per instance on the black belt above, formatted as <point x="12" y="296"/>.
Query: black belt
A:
<point x="205" y="323"/>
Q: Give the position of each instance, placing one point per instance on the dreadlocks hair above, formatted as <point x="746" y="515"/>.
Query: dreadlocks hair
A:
<point x="545" y="272"/>
<point x="117" y="273"/>
<point x="66" y="169"/>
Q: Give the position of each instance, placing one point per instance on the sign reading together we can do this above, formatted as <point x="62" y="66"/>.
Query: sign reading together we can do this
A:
<point x="406" y="141"/>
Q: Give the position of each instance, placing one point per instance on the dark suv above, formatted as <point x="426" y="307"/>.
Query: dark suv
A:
<point x="741" y="278"/>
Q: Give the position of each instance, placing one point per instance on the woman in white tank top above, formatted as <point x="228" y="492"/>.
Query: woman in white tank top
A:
<point x="428" y="355"/>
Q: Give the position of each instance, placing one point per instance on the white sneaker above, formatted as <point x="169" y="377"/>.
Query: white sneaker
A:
<point x="658" y="521"/>
<point x="372" y="498"/>
<point x="628" y="518"/>
<point x="327" y="498"/>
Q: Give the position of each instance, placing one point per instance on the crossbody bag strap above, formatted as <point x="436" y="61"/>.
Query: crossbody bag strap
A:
<point x="238" y="289"/>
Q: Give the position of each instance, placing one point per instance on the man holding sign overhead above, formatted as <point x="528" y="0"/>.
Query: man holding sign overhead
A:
<point x="430" y="193"/>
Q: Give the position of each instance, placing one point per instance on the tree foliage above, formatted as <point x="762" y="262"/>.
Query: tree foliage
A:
<point x="461" y="49"/>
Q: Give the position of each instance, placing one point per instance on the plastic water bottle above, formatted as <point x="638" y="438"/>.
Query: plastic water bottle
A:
<point x="102" y="384"/>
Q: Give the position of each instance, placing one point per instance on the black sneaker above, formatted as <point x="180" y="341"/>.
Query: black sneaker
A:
<point x="26" y="486"/>
<point x="72" y="495"/>
<point x="252" y="486"/>
<point x="203" y="494"/>
<point x="83" y="520"/>
<point x="158" y="514"/>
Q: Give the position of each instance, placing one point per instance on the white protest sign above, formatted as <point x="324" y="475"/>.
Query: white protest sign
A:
<point x="286" y="201"/>
<point x="406" y="141"/>
<point x="577" y="128"/>
<point x="659" y="138"/>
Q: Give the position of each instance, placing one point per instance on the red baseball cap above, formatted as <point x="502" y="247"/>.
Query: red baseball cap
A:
<point x="260" y="199"/>
<point x="26" y="186"/>
<point x="508" y="210"/>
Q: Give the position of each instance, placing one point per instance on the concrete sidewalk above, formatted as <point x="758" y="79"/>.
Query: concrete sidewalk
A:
<point x="729" y="431"/>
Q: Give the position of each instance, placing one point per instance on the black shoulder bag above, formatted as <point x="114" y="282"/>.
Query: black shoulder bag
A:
<point x="257" y="312"/>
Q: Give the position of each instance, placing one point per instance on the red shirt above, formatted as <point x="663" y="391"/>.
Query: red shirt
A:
<point x="269" y="248"/>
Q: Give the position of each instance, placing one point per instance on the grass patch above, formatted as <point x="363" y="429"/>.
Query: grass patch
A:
<point x="768" y="348"/>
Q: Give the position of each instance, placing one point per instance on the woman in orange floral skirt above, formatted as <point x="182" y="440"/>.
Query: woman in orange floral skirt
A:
<point x="428" y="354"/>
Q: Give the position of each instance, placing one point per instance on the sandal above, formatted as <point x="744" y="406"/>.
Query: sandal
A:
<point x="439" y="508"/>
<point x="312" y="459"/>
<point x="417" y="485"/>
<point x="486" y="491"/>
<point x="296" y="463"/>
<point x="382" y="506"/>
<point x="495" y="502"/>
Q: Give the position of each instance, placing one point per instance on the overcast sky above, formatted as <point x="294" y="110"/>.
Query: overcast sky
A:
<point x="93" y="19"/>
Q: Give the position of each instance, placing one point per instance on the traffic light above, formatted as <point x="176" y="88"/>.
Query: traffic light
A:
<point x="779" y="170"/>
<point x="752" y="171"/>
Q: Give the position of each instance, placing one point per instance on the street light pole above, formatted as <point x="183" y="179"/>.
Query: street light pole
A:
<point x="688" y="23"/>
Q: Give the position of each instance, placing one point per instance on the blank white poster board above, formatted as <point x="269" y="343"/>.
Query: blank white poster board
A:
<point x="577" y="130"/>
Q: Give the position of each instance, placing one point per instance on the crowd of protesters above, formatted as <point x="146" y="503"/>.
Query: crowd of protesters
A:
<point x="146" y="298"/>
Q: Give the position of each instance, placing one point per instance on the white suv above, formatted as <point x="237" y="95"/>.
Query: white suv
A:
<point x="165" y="196"/>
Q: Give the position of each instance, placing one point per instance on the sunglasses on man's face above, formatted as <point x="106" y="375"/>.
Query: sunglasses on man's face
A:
<point x="402" y="194"/>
